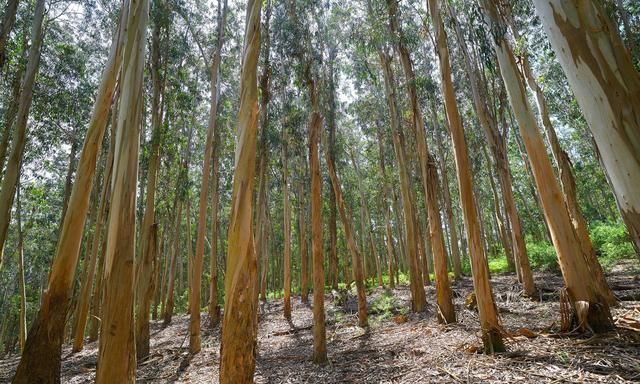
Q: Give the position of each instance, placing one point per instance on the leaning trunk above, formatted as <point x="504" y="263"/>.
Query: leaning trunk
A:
<point x="583" y="290"/>
<point x="87" y="281"/>
<point x="567" y="179"/>
<point x="497" y="144"/>
<point x="607" y="87"/>
<point x="41" y="358"/>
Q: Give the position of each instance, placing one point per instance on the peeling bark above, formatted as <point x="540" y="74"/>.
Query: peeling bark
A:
<point x="574" y="262"/>
<point x="607" y="87"/>
<point x="239" y="328"/>
<point x="116" y="351"/>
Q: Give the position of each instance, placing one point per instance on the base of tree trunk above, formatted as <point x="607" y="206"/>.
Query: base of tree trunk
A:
<point x="492" y="341"/>
<point x="142" y="343"/>
<point x="320" y="359"/>
<point x="287" y="309"/>
<point x="598" y="318"/>
<point x="40" y="362"/>
<point x="214" y="317"/>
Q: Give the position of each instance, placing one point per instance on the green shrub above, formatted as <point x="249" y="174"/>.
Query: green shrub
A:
<point x="385" y="306"/>
<point x="498" y="265"/>
<point x="542" y="255"/>
<point x="611" y="242"/>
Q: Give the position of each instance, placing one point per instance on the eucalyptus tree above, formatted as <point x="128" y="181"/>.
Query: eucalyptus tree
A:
<point x="566" y="175"/>
<point x="46" y="334"/>
<point x="418" y="300"/>
<point x="588" y="296"/>
<point x="211" y="150"/>
<point x="10" y="115"/>
<point x="116" y="352"/>
<point x="14" y="162"/>
<point x="497" y="140"/>
<point x="6" y="25"/>
<point x="489" y="320"/>
<point x="606" y="84"/>
<point x="239" y="328"/>
<point x="194" y="299"/>
<point x="147" y="259"/>
<point x="304" y="54"/>
<point x="345" y="216"/>
<point x="82" y="308"/>
<point x="428" y="169"/>
<point x="286" y="213"/>
<point x="21" y="284"/>
<point x="262" y="225"/>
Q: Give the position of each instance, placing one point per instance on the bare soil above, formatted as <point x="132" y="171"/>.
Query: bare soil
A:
<point x="405" y="349"/>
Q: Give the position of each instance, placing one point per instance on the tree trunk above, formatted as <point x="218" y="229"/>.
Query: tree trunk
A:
<point x="9" y="181"/>
<point x="534" y="194"/>
<point x="567" y="179"/>
<point x="157" y="276"/>
<point x="331" y="124"/>
<point x="189" y="241"/>
<point x="418" y="299"/>
<point x="8" y="20"/>
<point x="10" y="116"/>
<point x="167" y="312"/>
<point x="262" y="253"/>
<point x="41" y="358"/>
<point x="87" y="280"/>
<point x="96" y="301"/>
<point x="430" y="184"/>
<point x="487" y="311"/>
<point x="606" y="85"/>
<point x="368" y="223"/>
<point x="263" y="150"/>
<point x="287" y="225"/>
<point x="21" y="284"/>
<point x="446" y="194"/>
<point x="571" y="256"/>
<point x="148" y="233"/>
<point x="116" y="352"/>
<point x="498" y="218"/>
<point x="387" y="214"/>
<point x="239" y="329"/>
<point x="356" y="260"/>
<point x="304" y="255"/>
<point x="497" y="144"/>
<point x="319" y="332"/>
<point x="214" y="307"/>
<point x="194" y="323"/>
<point x="68" y="183"/>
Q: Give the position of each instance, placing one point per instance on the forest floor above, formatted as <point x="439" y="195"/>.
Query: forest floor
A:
<point x="405" y="349"/>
